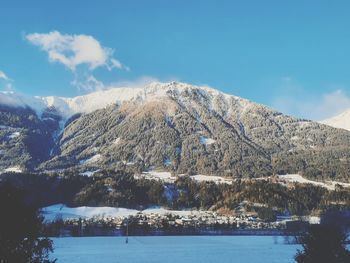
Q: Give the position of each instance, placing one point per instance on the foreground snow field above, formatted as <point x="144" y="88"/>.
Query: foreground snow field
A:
<point x="204" y="249"/>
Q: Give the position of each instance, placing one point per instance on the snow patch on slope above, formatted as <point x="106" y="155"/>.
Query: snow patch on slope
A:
<point x="169" y="178"/>
<point x="116" y="141"/>
<point x="296" y="178"/>
<point x="89" y="173"/>
<point x="159" y="176"/>
<point x="340" y="121"/>
<point x="211" y="178"/>
<point x="92" y="159"/>
<point x="14" y="135"/>
<point x="13" y="169"/>
<point x="206" y="141"/>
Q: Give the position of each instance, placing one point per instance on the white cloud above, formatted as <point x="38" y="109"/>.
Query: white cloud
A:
<point x="5" y="82"/>
<point x="296" y="101"/>
<point x="136" y="83"/>
<point x="3" y="76"/>
<point x="75" y="50"/>
<point x="89" y="84"/>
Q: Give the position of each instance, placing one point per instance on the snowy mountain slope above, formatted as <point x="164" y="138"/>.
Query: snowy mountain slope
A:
<point x="165" y="127"/>
<point x="341" y="121"/>
<point x="25" y="140"/>
<point x="180" y="128"/>
<point x="100" y="99"/>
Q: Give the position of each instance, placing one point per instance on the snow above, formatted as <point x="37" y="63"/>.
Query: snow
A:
<point x="173" y="249"/>
<point x="163" y="211"/>
<point x="314" y="220"/>
<point x="159" y="176"/>
<point x="14" y="169"/>
<point x="288" y="178"/>
<point x="113" y="95"/>
<point x="116" y="141"/>
<point x="206" y="141"/>
<point x="211" y="178"/>
<point x="92" y="159"/>
<point x="89" y="173"/>
<point x="168" y="178"/>
<point x="296" y="178"/>
<point x="48" y="119"/>
<point x="14" y="135"/>
<point x="51" y="212"/>
<point x="340" y="121"/>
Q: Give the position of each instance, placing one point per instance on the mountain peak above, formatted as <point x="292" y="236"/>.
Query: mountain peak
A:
<point x="341" y="121"/>
<point x="117" y="95"/>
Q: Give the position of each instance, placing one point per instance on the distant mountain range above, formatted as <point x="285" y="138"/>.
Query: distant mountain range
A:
<point x="169" y="126"/>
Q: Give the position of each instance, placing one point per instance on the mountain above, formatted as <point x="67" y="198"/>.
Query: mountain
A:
<point x="341" y="121"/>
<point x="169" y="126"/>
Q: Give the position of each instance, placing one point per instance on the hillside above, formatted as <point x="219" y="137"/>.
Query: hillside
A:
<point x="167" y="126"/>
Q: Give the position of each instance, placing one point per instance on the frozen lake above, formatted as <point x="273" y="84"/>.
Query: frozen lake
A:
<point x="204" y="249"/>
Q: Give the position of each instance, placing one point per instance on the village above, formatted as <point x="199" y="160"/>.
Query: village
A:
<point x="190" y="223"/>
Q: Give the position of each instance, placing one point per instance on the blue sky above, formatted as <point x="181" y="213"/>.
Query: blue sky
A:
<point x="291" y="55"/>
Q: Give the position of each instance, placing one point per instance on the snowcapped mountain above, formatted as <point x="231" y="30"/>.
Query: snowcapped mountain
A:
<point x="168" y="126"/>
<point x="341" y="121"/>
<point x="100" y="99"/>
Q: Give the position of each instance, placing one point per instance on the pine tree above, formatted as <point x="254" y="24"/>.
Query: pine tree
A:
<point x="323" y="244"/>
<point x="21" y="230"/>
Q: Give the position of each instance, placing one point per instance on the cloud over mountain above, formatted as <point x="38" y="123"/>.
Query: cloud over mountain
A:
<point x="75" y="50"/>
<point x="3" y="75"/>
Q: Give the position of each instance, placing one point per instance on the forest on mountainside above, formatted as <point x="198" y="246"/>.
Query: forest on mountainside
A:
<point x="120" y="189"/>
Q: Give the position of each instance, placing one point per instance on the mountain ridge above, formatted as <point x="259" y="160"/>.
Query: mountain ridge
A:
<point x="68" y="106"/>
<point x="180" y="128"/>
<point x="341" y="121"/>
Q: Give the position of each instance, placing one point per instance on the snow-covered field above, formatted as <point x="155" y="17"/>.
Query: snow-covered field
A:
<point x="13" y="169"/>
<point x="51" y="212"/>
<point x="171" y="249"/>
<point x="211" y="178"/>
<point x="159" y="176"/>
<point x="284" y="179"/>
<point x="168" y="178"/>
<point x="296" y="178"/>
